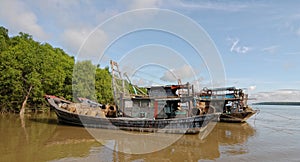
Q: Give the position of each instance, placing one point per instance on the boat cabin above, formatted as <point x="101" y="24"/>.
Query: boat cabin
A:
<point x="226" y="100"/>
<point x="161" y="102"/>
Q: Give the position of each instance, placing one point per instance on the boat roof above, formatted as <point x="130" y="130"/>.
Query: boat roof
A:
<point x="222" y="89"/>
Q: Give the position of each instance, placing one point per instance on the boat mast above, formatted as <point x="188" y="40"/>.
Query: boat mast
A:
<point x="118" y="84"/>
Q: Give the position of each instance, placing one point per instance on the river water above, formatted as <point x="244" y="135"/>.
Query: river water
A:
<point x="271" y="135"/>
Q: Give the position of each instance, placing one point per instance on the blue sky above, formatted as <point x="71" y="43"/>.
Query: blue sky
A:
<point x="258" y="41"/>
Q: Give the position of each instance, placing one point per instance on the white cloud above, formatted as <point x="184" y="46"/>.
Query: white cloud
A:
<point x="235" y="47"/>
<point x="76" y="37"/>
<point x="137" y="4"/>
<point x="234" y="43"/>
<point x="78" y="25"/>
<point x="279" y="95"/>
<point x="145" y="83"/>
<point x="169" y="76"/>
<point x="19" y="18"/>
<point x="213" y="5"/>
<point x="183" y="72"/>
<point x="60" y="17"/>
<point x="73" y="38"/>
<point x="252" y="88"/>
<point x="74" y="13"/>
<point x="200" y="83"/>
<point x="70" y="27"/>
<point x="271" y="49"/>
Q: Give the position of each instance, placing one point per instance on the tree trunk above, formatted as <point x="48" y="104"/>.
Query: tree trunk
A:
<point x="23" y="126"/>
<point x="25" y="101"/>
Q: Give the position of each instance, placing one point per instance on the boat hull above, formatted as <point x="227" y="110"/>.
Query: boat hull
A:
<point x="188" y="125"/>
<point x="238" y="117"/>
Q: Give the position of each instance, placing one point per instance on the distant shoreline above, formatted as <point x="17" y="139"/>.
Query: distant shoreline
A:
<point x="278" y="103"/>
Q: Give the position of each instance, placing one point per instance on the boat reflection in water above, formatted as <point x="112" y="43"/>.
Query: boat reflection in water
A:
<point x="224" y="138"/>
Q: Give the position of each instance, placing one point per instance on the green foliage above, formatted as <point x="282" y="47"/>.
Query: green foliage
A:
<point x="103" y="86"/>
<point x="91" y="82"/>
<point x="26" y="63"/>
<point x="84" y="80"/>
<point x="4" y="39"/>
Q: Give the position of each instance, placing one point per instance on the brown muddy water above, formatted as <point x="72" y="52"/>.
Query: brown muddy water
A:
<point x="271" y="135"/>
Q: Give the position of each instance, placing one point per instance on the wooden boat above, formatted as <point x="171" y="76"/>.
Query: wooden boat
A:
<point x="161" y="110"/>
<point x="110" y="117"/>
<point x="231" y="100"/>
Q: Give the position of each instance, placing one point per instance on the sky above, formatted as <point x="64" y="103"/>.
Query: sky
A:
<point x="250" y="44"/>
